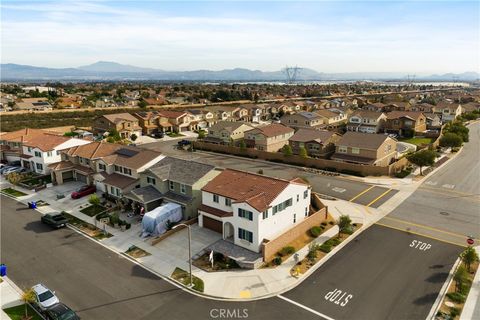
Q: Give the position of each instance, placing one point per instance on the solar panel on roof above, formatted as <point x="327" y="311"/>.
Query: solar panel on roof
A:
<point x="126" y="152"/>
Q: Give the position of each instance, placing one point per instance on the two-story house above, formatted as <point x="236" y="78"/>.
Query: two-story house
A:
<point x="448" y="111"/>
<point x="401" y="122"/>
<point x="43" y="150"/>
<point x="302" y="119"/>
<point x="113" y="168"/>
<point x="124" y="123"/>
<point x="366" y="121"/>
<point x="317" y="143"/>
<point x="332" y="119"/>
<point x="270" y="138"/>
<point x="227" y="132"/>
<point x="34" y="149"/>
<point x="181" y="121"/>
<point x="366" y="148"/>
<point x="201" y="119"/>
<point x="173" y="180"/>
<point x="248" y="208"/>
<point x="148" y="121"/>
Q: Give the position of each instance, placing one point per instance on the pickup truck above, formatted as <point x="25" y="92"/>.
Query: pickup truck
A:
<point x="55" y="220"/>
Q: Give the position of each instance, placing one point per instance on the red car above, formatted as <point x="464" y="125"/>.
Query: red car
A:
<point x="83" y="191"/>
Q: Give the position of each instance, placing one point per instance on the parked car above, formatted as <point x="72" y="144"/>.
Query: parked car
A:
<point x="18" y="170"/>
<point x="157" y="135"/>
<point x="44" y="297"/>
<point x="55" y="220"/>
<point x="184" y="142"/>
<point x="83" y="191"/>
<point x="9" y="170"/>
<point x="60" y="312"/>
<point x="5" y="168"/>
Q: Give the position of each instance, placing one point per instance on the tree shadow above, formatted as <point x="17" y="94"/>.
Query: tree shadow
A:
<point x="438" y="277"/>
<point x="138" y="271"/>
<point x="427" y="299"/>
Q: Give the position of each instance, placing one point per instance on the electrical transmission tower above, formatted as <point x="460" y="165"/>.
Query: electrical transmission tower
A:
<point x="292" y="73"/>
<point x="410" y="79"/>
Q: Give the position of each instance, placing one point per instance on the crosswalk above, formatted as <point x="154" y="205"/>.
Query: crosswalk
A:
<point x="445" y="186"/>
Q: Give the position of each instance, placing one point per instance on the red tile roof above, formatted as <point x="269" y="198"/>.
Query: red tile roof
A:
<point x="256" y="190"/>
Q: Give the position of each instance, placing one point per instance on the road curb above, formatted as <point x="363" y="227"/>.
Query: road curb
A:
<point x="443" y="291"/>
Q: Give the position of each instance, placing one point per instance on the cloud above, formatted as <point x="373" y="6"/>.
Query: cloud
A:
<point x="76" y="33"/>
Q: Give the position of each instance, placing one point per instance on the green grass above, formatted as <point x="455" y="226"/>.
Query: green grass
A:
<point x="417" y="141"/>
<point x="92" y="210"/>
<point x="174" y="134"/>
<point x="184" y="277"/>
<point x="18" y="312"/>
<point x="13" y="192"/>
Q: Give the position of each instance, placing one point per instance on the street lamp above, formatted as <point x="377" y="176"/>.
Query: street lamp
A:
<point x="189" y="249"/>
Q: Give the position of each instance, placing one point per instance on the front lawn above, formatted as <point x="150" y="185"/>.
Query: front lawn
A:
<point x="13" y="192"/>
<point x="92" y="210"/>
<point x="86" y="227"/>
<point x="418" y="141"/>
<point x="174" y="134"/>
<point x="183" y="276"/>
<point x="18" y="312"/>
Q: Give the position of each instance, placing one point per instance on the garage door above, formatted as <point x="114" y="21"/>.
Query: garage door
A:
<point x="67" y="176"/>
<point x="81" y="177"/>
<point x="212" y="224"/>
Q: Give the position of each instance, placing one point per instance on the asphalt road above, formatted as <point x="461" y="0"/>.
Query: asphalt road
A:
<point x="99" y="284"/>
<point x="338" y="187"/>
<point x="386" y="277"/>
<point x="448" y="202"/>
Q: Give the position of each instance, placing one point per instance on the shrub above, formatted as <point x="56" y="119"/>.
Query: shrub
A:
<point x="94" y="200"/>
<point x="456" y="297"/>
<point x="277" y="261"/>
<point x="260" y="171"/>
<point x="312" y="251"/>
<point x="128" y="225"/>
<point x="454" y="312"/>
<point x="287" y="250"/>
<point x="330" y="169"/>
<point x="325" y="248"/>
<point x="315" y="231"/>
<point x="344" y="223"/>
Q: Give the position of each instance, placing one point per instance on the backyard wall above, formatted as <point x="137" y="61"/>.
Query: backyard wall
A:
<point x="270" y="248"/>
<point x="364" y="170"/>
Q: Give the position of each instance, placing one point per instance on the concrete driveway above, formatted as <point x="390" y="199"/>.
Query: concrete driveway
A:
<point x="176" y="245"/>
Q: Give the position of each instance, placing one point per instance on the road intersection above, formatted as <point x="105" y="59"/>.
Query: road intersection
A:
<point x="392" y="270"/>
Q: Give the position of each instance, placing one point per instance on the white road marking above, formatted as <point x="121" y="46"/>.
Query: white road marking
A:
<point x="432" y="183"/>
<point x="448" y="186"/>
<point x="420" y="245"/>
<point x="340" y="190"/>
<point x="338" y="297"/>
<point x="306" y="308"/>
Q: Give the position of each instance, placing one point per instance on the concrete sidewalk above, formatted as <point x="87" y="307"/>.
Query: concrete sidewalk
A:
<point x="10" y="296"/>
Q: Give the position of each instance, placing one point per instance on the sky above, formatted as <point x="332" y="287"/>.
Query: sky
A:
<point x="327" y="36"/>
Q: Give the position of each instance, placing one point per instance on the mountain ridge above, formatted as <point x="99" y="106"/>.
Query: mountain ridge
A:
<point x="109" y="70"/>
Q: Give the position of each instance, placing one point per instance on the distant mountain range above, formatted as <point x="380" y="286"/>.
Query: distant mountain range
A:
<point x="105" y="70"/>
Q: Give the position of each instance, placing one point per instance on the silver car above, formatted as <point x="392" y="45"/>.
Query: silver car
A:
<point x="44" y="297"/>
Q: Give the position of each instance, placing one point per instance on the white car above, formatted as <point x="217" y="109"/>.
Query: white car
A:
<point x="44" y="297"/>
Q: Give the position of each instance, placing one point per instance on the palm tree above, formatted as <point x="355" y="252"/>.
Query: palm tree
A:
<point x="28" y="297"/>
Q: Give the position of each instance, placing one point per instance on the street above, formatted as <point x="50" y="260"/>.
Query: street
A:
<point x="100" y="284"/>
<point x="384" y="273"/>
